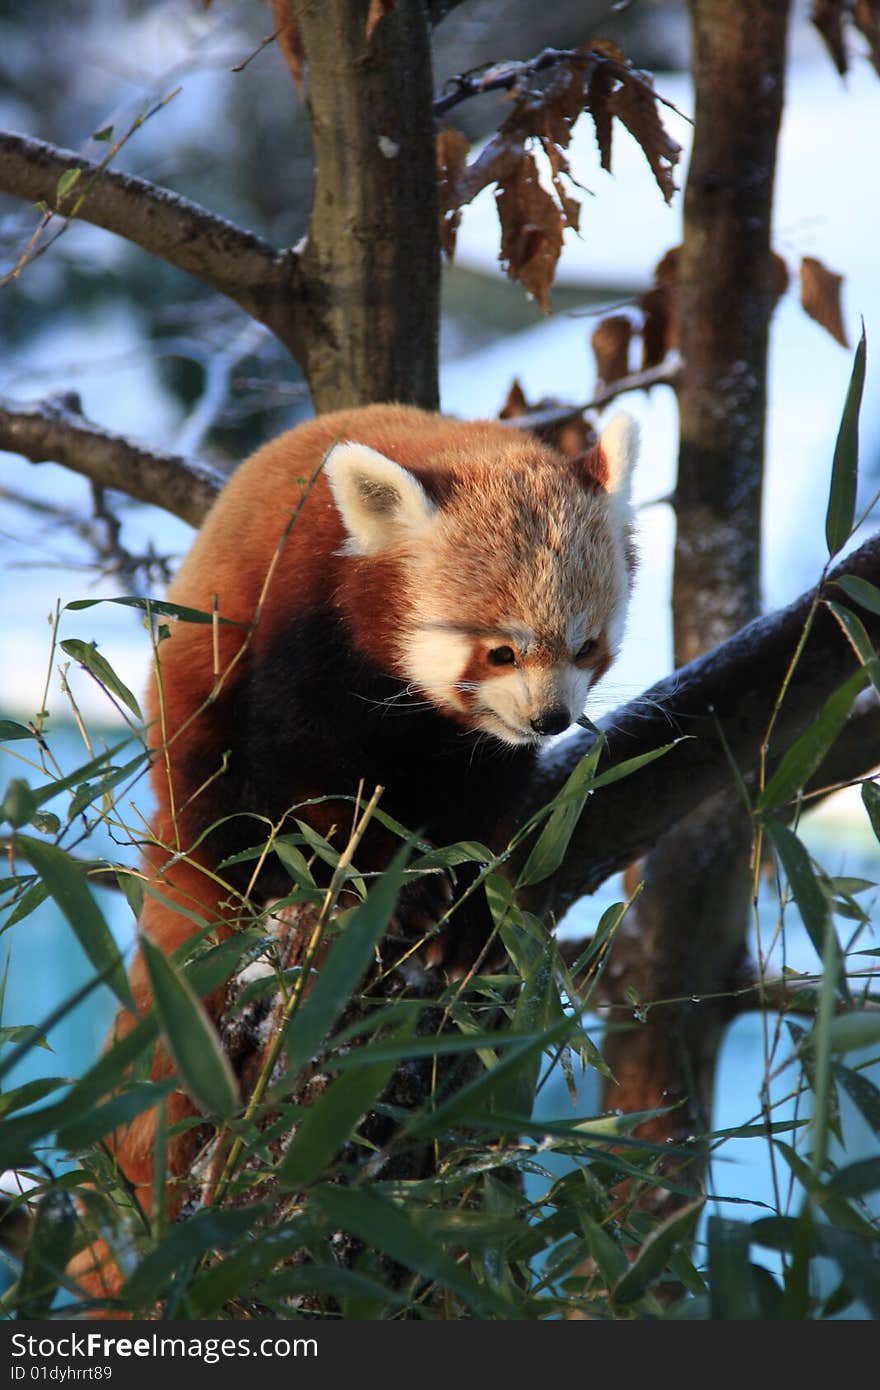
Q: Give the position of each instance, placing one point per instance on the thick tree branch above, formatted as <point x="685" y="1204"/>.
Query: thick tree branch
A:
<point x="372" y="258"/>
<point x="265" y="282"/>
<point x="54" y="431"/>
<point x="731" y="689"/>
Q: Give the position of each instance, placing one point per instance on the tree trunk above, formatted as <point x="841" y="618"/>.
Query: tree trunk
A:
<point x="372" y="259"/>
<point x="687" y="936"/>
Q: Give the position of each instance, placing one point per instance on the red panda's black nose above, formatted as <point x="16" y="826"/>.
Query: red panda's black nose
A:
<point x="552" y="721"/>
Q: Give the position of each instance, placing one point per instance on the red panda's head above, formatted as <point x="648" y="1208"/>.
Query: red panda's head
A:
<point x="513" y="569"/>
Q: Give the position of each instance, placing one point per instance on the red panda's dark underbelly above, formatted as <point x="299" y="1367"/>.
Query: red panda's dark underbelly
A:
<point x="313" y="717"/>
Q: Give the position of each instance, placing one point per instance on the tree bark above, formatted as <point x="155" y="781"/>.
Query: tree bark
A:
<point x="372" y="257"/>
<point x="687" y="934"/>
<point x="54" y="431"/>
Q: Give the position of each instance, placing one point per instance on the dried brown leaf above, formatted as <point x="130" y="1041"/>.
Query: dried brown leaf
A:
<point x="603" y="80"/>
<point x="531" y="230"/>
<point x="827" y="16"/>
<point x="452" y="153"/>
<point x="289" y="40"/>
<point x="659" y="307"/>
<point x="378" y="11"/>
<point x="820" y="297"/>
<point x="779" y="277"/>
<point x="570" y="432"/>
<point x="610" y="343"/>
<point x="562" y="102"/>
<point x="516" y="403"/>
<point x="657" y="326"/>
<point x="866" y="17"/>
<point x="634" y="103"/>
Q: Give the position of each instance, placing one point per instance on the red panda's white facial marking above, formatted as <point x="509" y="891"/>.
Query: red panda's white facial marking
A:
<point x="513" y="589"/>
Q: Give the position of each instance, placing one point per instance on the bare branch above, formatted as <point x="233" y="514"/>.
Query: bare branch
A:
<point x="228" y="258"/>
<point x="494" y="77"/>
<point x="783" y="994"/>
<point x="542" y="421"/>
<point x="55" y="432"/>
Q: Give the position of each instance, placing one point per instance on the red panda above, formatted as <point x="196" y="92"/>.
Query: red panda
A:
<point x="415" y="602"/>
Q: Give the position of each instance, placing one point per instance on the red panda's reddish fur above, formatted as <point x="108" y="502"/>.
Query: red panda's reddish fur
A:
<point x="269" y="575"/>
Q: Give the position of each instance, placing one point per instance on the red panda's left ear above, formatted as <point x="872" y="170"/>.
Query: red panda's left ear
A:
<point x="611" y="461"/>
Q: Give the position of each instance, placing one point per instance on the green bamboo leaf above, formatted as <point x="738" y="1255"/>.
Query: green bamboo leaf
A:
<point x="844" y="473"/>
<point x="871" y="802"/>
<point x="191" y="1038"/>
<point x="730" y="1286"/>
<point x="384" y="1226"/>
<point x="450" y="856"/>
<point x="47" y="1254"/>
<point x="813" y="904"/>
<point x="859" y="1260"/>
<point x="132" y="886"/>
<point x="295" y="864"/>
<point x="27" y="1034"/>
<point x="188" y="1241"/>
<point x="67" y="886"/>
<point x="534" y="1011"/>
<point x="67" y="181"/>
<point x="631" y="765"/>
<point x="856" y="635"/>
<point x="29" y="901"/>
<point x="477" y="1095"/>
<point x="804" y="756"/>
<point x="361" y="930"/>
<point x="651" y="1261"/>
<point x="549" y="850"/>
<point x="440" y="1045"/>
<point x="89" y="792"/>
<point x="332" y="1281"/>
<point x="30" y="1092"/>
<point x="19" y="803"/>
<point x="96" y="1123"/>
<point x="853" y="1031"/>
<point x="152" y="605"/>
<point x="82" y="774"/>
<point x="610" y="1257"/>
<point x="9" y="730"/>
<point x="864" y="1095"/>
<point x="856" y="1178"/>
<point x="860" y="591"/>
<point x="87" y="654"/>
<point x="769" y="1296"/>
<point x="331" y="1121"/>
<point x="244" y="1267"/>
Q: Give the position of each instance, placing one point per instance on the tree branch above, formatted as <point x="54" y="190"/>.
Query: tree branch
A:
<point x="229" y="259"/>
<point x="543" y="422"/>
<point x="55" y="431"/>
<point x="494" y="77"/>
<point x="732" y="689"/>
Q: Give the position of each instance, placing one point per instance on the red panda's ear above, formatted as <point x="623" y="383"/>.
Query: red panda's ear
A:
<point x="611" y="461"/>
<point x="380" y="503"/>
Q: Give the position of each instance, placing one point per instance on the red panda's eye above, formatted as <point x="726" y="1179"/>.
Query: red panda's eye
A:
<point x="502" y="656"/>
<point x="586" y="649"/>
